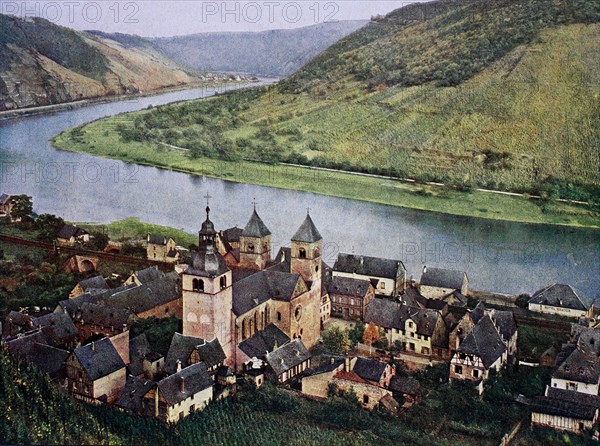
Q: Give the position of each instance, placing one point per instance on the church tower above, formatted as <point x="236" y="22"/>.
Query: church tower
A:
<point x="307" y="246"/>
<point x="255" y="244"/>
<point x="207" y="292"/>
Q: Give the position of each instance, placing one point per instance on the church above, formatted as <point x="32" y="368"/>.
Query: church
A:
<point x="235" y="300"/>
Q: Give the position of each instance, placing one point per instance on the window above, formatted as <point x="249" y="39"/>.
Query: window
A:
<point x="351" y="301"/>
<point x="317" y="268"/>
<point x="223" y="282"/>
<point x="411" y="346"/>
<point x="365" y="399"/>
<point x="410" y="325"/>
<point x="580" y="426"/>
<point x="198" y="285"/>
<point x="302" y="253"/>
<point x="279" y="316"/>
<point x="382" y="285"/>
<point x="458" y="369"/>
<point x="572" y="386"/>
<point x="475" y="373"/>
<point x="425" y="350"/>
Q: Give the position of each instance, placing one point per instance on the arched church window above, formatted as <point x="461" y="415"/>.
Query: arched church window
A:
<point x="302" y="253"/>
<point x="317" y="268"/>
<point x="223" y="282"/>
<point x="250" y="247"/>
<point x="317" y="252"/>
<point x="198" y="285"/>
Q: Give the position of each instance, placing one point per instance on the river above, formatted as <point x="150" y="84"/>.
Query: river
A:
<point x="498" y="256"/>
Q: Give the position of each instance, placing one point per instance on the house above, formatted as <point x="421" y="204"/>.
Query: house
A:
<point x="69" y="235"/>
<point x="482" y="350"/>
<point x="419" y="331"/>
<point x="289" y="360"/>
<point x="346" y="379"/>
<point x="144" y="276"/>
<point x="6" y="205"/>
<point x="161" y="248"/>
<point x="58" y="329"/>
<point x="350" y="297"/>
<point x="96" y="372"/>
<point x="438" y="283"/>
<point x="559" y="299"/>
<point x="188" y="350"/>
<point x="261" y="343"/>
<point x="32" y="347"/>
<point x="580" y="370"/>
<point x="405" y="389"/>
<point x="565" y="410"/>
<point x="93" y="285"/>
<point x="180" y="394"/>
<point x="506" y="324"/>
<point x="132" y="397"/>
<point x="387" y="276"/>
<point x="465" y="325"/>
<point x="374" y="372"/>
<point x="16" y="322"/>
<point x="139" y="347"/>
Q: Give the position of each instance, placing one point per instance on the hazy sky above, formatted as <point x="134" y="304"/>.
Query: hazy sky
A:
<point x="167" y="18"/>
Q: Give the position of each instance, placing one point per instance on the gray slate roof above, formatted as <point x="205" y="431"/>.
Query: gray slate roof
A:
<point x="94" y="283"/>
<point x="262" y="286"/>
<point x="139" y="347"/>
<point x="133" y="393"/>
<point x="585" y="399"/>
<point x="484" y="341"/>
<point x="443" y="278"/>
<point x="579" y="366"/>
<point x="195" y="379"/>
<point x="307" y="232"/>
<point x="505" y="322"/>
<point x="368" y="266"/>
<point x="557" y="407"/>
<point x="57" y="327"/>
<point x="288" y="356"/>
<point x="157" y="239"/>
<point x="4" y="198"/>
<point x="207" y="262"/>
<point x="104" y="315"/>
<point x="264" y="341"/>
<point x="48" y="359"/>
<point x="559" y="295"/>
<point x="99" y="358"/>
<point x="69" y="231"/>
<point x="149" y="274"/>
<point x="211" y="352"/>
<point x="255" y="227"/>
<point x="231" y="235"/>
<point x="405" y="385"/>
<point x="146" y="296"/>
<point x="349" y="286"/>
<point x="386" y="313"/>
<point x="369" y="369"/>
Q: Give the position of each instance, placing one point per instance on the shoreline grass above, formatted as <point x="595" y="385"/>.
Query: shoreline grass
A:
<point x="99" y="138"/>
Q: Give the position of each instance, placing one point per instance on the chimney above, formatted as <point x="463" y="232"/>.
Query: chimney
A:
<point x="346" y="364"/>
<point x="424" y="268"/>
<point x="362" y="260"/>
<point x="332" y="359"/>
<point x="182" y="383"/>
<point x="178" y="366"/>
<point x="93" y="346"/>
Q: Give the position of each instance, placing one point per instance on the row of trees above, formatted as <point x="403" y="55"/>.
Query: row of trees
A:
<point x="341" y="341"/>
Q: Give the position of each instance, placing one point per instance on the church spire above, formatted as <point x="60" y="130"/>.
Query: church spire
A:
<point x="207" y="231"/>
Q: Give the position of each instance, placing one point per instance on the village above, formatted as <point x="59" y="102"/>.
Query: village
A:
<point x="254" y="313"/>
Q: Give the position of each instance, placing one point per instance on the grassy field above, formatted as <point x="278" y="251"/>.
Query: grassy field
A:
<point x="133" y="228"/>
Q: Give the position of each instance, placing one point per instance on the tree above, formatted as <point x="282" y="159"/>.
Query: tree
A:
<point x="98" y="241"/>
<point x="22" y="207"/>
<point x="522" y="300"/>
<point x="336" y="340"/>
<point x="355" y="334"/>
<point x="371" y="335"/>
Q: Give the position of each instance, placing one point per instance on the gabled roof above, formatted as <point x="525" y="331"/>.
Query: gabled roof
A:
<point x="255" y="227"/>
<point x="231" y="235"/>
<point x="288" y="356"/>
<point x="132" y="396"/>
<point x="559" y="295"/>
<point x="580" y="366"/>
<point x="99" y="358"/>
<point x="384" y="313"/>
<point x="327" y="367"/>
<point x="405" y="385"/>
<point x="69" y="231"/>
<point x="104" y="315"/>
<point x="211" y="352"/>
<point x="184" y="384"/>
<point x="48" y="359"/>
<point x="57" y="327"/>
<point x="158" y="239"/>
<point x="4" y="198"/>
<point x="264" y="341"/>
<point x="505" y="322"/>
<point x="478" y="312"/>
<point x="585" y="399"/>
<point x="139" y="299"/>
<point x="413" y="298"/>
<point x="369" y="369"/>
<point x="367" y="266"/>
<point x="349" y="376"/>
<point x="94" y="283"/>
<point x="349" y="286"/>
<point x="262" y="286"/>
<point x="443" y="278"/>
<point x="149" y="274"/>
<point x="557" y="407"/>
<point x="484" y="341"/>
<point x="139" y="347"/>
<point x="307" y="232"/>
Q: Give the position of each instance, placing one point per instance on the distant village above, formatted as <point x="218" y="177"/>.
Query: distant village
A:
<point x="248" y="315"/>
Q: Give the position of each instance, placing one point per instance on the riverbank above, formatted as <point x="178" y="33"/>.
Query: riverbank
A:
<point x="99" y="138"/>
<point x="40" y="110"/>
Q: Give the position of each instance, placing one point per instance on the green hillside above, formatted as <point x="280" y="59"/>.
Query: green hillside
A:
<point x="495" y="94"/>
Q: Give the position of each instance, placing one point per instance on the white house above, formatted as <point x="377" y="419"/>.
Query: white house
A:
<point x="559" y="299"/>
